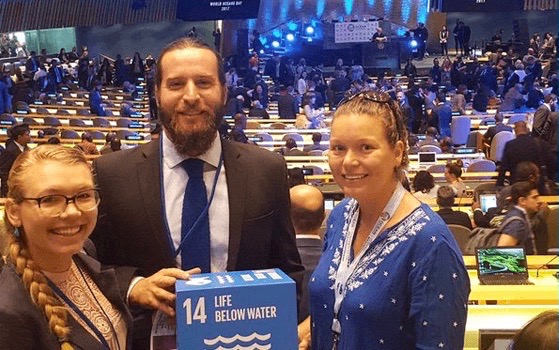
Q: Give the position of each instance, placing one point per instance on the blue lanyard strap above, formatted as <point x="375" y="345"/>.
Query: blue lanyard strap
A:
<point x="84" y="318"/>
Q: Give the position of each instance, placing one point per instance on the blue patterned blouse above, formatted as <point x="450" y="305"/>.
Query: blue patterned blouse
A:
<point x="409" y="292"/>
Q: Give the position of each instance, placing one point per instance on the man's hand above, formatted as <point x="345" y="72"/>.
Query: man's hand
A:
<point x="304" y="334"/>
<point x="475" y="205"/>
<point x="157" y="290"/>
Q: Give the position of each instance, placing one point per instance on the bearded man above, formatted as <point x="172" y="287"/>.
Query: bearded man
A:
<point x="192" y="199"/>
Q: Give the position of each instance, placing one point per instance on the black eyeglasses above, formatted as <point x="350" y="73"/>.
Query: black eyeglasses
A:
<point x="374" y="96"/>
<point x="55" y="204"/>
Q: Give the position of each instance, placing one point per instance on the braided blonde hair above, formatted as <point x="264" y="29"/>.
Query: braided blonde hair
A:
<point x="33" y="279"/>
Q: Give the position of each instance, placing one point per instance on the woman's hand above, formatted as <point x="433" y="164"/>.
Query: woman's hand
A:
<point x="304" y="334"/>
<point x="157" y="291"/>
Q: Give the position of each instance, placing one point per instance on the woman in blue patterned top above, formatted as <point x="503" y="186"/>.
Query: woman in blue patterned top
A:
<point x="391" y="275"/>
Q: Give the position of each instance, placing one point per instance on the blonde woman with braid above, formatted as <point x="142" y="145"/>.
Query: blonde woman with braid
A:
<point x="54" y="296"/>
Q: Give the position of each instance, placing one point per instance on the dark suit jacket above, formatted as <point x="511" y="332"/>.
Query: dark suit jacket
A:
<point x="23" y="326"/>
<point x="310" y="250"/>
<point x="131" y="229"/>
<point x="287" y="107"/>
<point x="452" y="217"/>
<point x="523" y="148"/>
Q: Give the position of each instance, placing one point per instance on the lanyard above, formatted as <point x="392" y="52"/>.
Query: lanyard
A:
<point x="347" y="268"/>
<point x="84" y="318"/>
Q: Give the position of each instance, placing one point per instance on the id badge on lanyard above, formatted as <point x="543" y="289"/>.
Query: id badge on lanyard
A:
<point x="347" y="268"/>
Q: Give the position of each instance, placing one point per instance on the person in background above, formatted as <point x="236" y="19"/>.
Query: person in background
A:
<point x="458" y="101"/>
<point x="441" y="115"/>
<point x="391" y="273"/>
<point x="445" y="201"/>
<point x="238" y="131"/>
<point x="307" y="213"/>
<point x="406" y="109"/>
<point x="524" y="196"/>
<point x="87" y="146"/>
<point x="96" y="105"/>
<point x="316" y="145"/>
<point x="443" y="40"/>
<point x="453" y="176"/>
<point x="19" y="137"/>
<point x="288" y="108"/>
<point x="539" y="333"/>
<point x="424" y="186"/>
<point x="106" y="149"/>
<point x="257" y="111"/>
<point x="55" y="296"/>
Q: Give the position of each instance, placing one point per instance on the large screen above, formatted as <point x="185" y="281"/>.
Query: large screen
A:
<point x="203" y="10"/>
<point x="482" y="5"/>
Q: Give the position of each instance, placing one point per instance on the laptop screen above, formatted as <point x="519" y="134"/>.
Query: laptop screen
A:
<point x="487" y="200"/>
<point x="427" y="157"/>
<point x="501" y="261"/>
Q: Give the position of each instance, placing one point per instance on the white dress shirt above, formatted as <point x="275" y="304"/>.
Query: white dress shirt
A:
<point x="175" y="179"/>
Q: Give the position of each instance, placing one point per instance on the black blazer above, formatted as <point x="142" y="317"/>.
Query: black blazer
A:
<point x="23" y="326"/>
<point x="453" y="217"/>
<point x="523" y="148"/>
<point x="131" y="229"/>
<point x="310" y="250"/>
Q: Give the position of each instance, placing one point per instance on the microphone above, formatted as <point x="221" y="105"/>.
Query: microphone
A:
<point x="544" y="265"/>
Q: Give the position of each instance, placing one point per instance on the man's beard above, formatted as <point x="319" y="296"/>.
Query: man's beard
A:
<point x="188" y="142"/>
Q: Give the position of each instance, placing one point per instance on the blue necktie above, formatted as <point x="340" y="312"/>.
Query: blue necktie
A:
<point x="195" y="251"/>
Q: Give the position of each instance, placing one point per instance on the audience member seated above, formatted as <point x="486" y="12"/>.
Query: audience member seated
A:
<point x="257" y="111"/>
<point x="95" y="100"/>
<point x="514" y="99"/>
<point x="481" y="99"/>
<point x="238" y="131"/>
<point x="524" y="197"/>
<point x="495" y="129"/>
<point x="290" y="149"/>
<point x="412" y="144"/>
<point x="431" y="138"/>
<point x="313" y="117"/>
<point x="87" y="146"/>
<point x="295" y="177"/>
<point x="106" y="149"/>
<point x="316" y="146"/>
<point x="424" y="186"/>
<point x="445" y="201"/>
<point x="458" y="101"/>
<point x="307" y="213"/>
<point x="452" y="174"/>
<point x="446" y="145"/>
<point x="53" y="140"/>
<point x="234" y="105"/>
<point x="539" y="333"/>
<point x="126" y="109"/>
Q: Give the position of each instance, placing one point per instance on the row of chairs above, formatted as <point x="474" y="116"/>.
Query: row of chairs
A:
<point x="460" y="127"/>
<point x="52" y="121"/>
<point x="97" y="135"/>
<point x="290" y="135"/>
<point x="478" y="166"/>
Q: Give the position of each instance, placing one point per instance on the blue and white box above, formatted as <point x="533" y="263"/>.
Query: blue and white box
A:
<point x="237" y="310"/>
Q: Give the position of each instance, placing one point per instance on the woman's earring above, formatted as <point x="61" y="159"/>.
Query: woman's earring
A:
<point x="16" y="232"/>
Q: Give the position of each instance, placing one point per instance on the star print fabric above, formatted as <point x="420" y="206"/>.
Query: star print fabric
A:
<point x="409" y="292"/>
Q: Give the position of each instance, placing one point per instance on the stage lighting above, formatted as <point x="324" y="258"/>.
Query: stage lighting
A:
<point x="276" y="33"/>
<point x="275" y="44"/>
<point x="290" y="37"/>
<point x="261" y="51"/>
<point x="413" y="43"/>
<point x="309" y="40"/>
<point x="309" y="30"/>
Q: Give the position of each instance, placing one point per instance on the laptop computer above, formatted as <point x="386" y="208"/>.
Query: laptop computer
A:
<point x="487" y="200"/>
<point x="502" y="266"/>
<point x="426" y="159"/>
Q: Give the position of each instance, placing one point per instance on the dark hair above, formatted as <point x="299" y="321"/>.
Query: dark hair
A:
<point x="521" y="189"/>
<point x="18" y="130"/>
<point x="87" y="136"/>
<point x="539" y="333"/>
<point x="109" y="137"/>
<point x="295" y="177"/>
<point x="187" y="43"/>
<point x="53" y="140"/>
<point x="423" y="181"/>
<point x="316" y="137"/>
<point x="527" y="171"/>
<point x="445" y="196"/>
<point x="290" y="143"/>
<point x="454" y="169"/>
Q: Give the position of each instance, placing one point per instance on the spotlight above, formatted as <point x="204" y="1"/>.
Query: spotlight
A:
<point x="413" y="43"/>
<point x="309" y="40"/>
<point x="275" y="44"/>
<point x="292" y="26"/>
<point x="290" y="37"/>
<point x="309" y="30"/>
<point x="261" y="51"/>
<point x="276" y="33"/>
